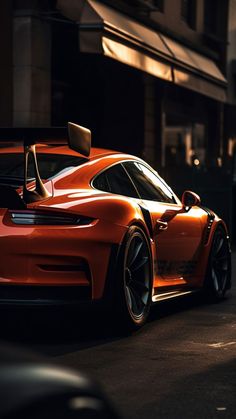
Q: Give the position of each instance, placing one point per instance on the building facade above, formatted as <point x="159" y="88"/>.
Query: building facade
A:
<point x="147" y="76"/>
<point x="230" y="111"/>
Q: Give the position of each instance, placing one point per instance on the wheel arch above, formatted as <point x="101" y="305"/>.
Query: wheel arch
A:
<point x="215" y="295"/>
<point x="115" y="255"/>
<point x="142" y="226"/>
<point x="217" y="223"/>
<point x="206" y="249"/>
<point x="129" y="316"/>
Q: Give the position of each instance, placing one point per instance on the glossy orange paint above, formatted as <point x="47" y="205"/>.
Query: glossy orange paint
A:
<point x="80" y="254"/>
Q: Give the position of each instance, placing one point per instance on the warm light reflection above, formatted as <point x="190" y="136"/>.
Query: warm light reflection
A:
<point x="181" y="77"/>
<point x="134" y="58"/>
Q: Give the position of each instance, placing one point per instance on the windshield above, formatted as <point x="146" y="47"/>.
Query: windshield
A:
<point x="12" y="165"/>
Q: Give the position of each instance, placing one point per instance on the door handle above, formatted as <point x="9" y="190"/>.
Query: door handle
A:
<point x="161" y="225"/>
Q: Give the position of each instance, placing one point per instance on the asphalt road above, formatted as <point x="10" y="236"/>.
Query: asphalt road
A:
<point x="181" y="365"/>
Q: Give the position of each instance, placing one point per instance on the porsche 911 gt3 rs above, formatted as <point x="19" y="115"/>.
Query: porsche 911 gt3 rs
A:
<point x="81" y="224"/>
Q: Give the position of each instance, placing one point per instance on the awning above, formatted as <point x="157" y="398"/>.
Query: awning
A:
<point x="103" y="30"/>
<point x="196" y="72"/>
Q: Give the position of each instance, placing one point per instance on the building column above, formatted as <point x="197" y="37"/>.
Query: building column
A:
<point x="154" y="120"/>
<point x="31" y="70"/>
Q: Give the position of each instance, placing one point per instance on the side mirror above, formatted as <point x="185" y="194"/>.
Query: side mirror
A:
<point x="190" y="199"/>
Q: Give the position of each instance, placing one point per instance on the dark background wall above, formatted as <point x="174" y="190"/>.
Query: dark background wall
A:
<point x="6" y="91"/>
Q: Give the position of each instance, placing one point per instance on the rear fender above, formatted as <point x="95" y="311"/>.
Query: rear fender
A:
<point x="113" y="209"/>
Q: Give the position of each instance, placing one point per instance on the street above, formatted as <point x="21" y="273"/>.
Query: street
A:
<point x="182" y="364"/>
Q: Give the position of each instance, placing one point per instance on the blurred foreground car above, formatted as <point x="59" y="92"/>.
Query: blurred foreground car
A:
<point x="81" y="224"/>
<point x="33" y="389"/>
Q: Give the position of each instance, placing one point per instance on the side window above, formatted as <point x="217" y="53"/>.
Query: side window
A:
<point x="115" y="180"/>
<point x="148" y="184"/>
<point x="101" y="183"/>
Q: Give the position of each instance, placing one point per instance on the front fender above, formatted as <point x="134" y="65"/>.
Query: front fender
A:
<point x="206" y="246"/>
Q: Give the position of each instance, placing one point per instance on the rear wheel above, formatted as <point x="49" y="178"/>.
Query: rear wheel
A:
<point x="218" y="278"/>
<point x="134" y="280"/>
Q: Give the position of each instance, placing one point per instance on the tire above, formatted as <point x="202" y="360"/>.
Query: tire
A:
<point x="218" y="276"/>
<point x="134" y="280"/>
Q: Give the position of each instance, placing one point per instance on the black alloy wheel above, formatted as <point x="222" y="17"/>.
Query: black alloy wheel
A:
<point x="135" y="280"/>
<point x="218" y="278"/>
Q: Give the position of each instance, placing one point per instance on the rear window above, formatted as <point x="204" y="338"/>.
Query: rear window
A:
<point x="12" y="165"/>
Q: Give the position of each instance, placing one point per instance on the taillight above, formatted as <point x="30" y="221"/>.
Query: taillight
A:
<point x="32" y="217"/>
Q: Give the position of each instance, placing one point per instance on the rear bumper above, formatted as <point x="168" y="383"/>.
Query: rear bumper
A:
<point x="78" y="295"/>
<point x="28" y="295"/>
<point x="55" y="256"/>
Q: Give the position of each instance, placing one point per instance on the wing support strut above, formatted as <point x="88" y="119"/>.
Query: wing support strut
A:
<point x="76" y="137"/>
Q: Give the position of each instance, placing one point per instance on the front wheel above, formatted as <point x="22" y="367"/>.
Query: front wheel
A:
<point x="218" y="277"/>
<point x="134" y="280"/>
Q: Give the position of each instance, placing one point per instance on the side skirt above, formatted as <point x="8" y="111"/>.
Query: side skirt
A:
<point x="167" y="295"/>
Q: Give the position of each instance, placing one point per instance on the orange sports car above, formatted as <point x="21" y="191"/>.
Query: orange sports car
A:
<point x="81" y="224"/>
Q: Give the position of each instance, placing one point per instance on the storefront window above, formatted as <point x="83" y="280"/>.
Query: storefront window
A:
<point x="185" y="146"/>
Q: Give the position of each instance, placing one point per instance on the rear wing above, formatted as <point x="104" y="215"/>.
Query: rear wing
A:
<point x="31" y="136"/>
<point x="76" y="137"/>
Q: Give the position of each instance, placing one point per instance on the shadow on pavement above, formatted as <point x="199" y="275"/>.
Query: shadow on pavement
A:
<point x="83" y="328"/>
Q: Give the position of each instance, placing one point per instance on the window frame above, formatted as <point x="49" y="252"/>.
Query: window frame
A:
<point x="106" y="169"/>
<point x="176" y="200"/>
<point x="190" y="17"/>
<point x="159" y="179"/>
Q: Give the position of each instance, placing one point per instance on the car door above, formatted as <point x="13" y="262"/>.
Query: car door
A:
<point x="177" y="233"/>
